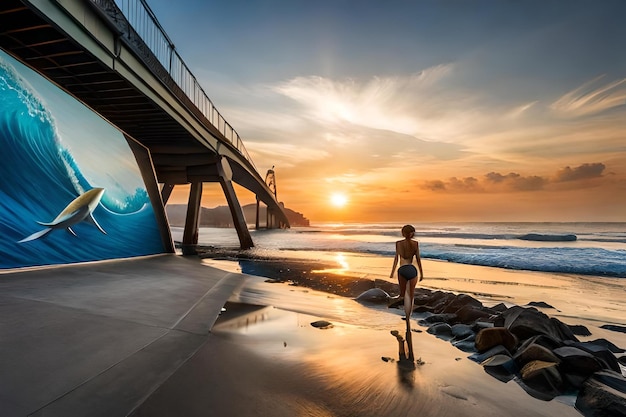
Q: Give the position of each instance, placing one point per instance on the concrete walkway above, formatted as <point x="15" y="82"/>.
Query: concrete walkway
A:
<point x="97" y="339"/>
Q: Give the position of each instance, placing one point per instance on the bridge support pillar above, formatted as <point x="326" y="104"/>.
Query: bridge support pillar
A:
<point x="190" y="234"/>
<point x="166" y="192"/>
<point x="225" y="174"/>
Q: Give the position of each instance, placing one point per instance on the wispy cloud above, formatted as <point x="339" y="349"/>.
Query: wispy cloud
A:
<point x="591" y="98"/>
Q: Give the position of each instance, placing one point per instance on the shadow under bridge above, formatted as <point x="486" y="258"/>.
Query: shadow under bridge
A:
<point x="114" y="56"/>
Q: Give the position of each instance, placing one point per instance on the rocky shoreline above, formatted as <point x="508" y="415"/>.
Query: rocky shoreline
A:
<point x="542" y="354"/>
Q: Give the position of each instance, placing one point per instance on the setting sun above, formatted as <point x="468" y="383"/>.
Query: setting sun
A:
<point x="338" y="200"/>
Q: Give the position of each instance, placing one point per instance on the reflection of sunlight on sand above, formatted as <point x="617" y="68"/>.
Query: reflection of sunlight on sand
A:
<point x="344" y="266"/>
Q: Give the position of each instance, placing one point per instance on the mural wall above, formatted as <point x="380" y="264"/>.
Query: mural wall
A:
<point x="70" y="187"/>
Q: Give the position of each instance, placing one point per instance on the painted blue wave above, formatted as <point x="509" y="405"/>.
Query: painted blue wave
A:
<point x="40" y="177"/>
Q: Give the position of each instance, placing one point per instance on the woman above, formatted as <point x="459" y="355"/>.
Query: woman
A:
<point x="406" y="249"/>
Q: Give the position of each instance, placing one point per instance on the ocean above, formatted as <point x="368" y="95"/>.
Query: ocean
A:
<point x="595" y="249"/>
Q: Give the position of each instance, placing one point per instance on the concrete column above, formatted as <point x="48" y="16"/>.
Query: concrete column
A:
<point x="256" y="222"/>
<point x="190" y="235"/>
<point x="226" y="175"/>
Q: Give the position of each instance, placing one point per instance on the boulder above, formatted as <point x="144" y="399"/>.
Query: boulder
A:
<point x="501" y="367"/>
<point x="541" y="379"/>
<point x="579" y="330"/>
<point x="460" y="331"/>
<point x="373" y="295"/>
<point x="441" y="330"/>
<point x="439" y="302"/>
<point x="603" y="394"/>
<point x="469" y="314"/>
<point x="541" y="304"/>
<point x="438" y="318"/>
<point x="542" y="340"/>
<point x="496" y="350"/>
<point x="534" y="352"/>
<point x="576" y="365"/>
<point x="488" y="338"/>
<point x="459" y="301"/>
<point x="610" y="346"/>
<point x="528" y="322"/>
<point x="614" y="328"/>
<point x="466" y="345"/>
<point x="500" y="307"/>
<point x="609" y="361"/>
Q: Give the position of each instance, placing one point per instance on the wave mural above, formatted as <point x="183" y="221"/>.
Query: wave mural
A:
<point x="48" y="204"/>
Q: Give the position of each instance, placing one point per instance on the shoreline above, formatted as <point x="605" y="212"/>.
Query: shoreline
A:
<point x="266" y="351"/>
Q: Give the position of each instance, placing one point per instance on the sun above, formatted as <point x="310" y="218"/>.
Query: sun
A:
<point x="338" y="200"/>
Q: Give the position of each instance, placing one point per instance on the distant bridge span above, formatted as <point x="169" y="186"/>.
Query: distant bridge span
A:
<point x="113" y="56"/>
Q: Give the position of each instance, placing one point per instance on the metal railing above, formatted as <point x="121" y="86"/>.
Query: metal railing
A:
<point x="145" y="24"/>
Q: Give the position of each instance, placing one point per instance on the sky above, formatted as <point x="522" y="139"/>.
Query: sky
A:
<point x="424" y="110"/>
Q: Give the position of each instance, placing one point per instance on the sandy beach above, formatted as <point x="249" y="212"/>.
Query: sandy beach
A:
<point x="264" y="357"/>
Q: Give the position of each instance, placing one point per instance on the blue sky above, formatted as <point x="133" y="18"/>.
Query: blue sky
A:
<point x="465" y="109"/>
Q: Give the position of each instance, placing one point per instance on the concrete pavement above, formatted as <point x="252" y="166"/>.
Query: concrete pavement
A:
<point x="97" y="339"/>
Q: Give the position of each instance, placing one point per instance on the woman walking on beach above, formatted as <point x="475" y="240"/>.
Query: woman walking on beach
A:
<point x="406" y="250"/>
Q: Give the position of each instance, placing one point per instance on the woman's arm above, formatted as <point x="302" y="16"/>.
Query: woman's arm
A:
<point x="419" y="261"/>
<point x="395" y="262"/>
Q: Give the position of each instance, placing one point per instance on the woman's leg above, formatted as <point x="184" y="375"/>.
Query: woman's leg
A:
<point x="412" y="283"/>
<point x="402" y="282"/>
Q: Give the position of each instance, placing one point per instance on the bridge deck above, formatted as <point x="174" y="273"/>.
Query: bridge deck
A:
<point x="96" y="339"/>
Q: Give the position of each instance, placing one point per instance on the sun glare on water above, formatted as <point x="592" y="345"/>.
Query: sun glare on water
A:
<point x="338" y="200"/>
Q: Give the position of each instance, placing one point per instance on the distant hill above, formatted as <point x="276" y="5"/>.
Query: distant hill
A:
<point x="220" y="216"/>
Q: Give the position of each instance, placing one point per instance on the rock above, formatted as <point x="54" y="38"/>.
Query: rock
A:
<point x="496" y="350"/>
<point x="441" y="330"/>
<point x="500" y="307"/>
<point x="534" y="352"/>
<point x="488" y="338"/>
<point x="610" y="346"/>
<point x="579" y="330"/>
<point x="322" y="324"/>
<point x="576" y="365"/>
<point x="541" y="379"/>
<point x="440" y="301"/>
<point x="501" y="367"/>
<point x="459" y="301"/>
<point x="542" y="340"/>
<point x="614" y="328"/>
<point x="603" y="394"/>
<point x="461" y="331"/>
<point x="466" y="345"/>
<point x="541" y="304"/>
<point x="609" y="361"/>
<point x="439" y="318"/>
<point x="528" y="322"/>
<point x="469" y="314"/>
<point x="481" y="324"/>
<point x="373" y="295"/>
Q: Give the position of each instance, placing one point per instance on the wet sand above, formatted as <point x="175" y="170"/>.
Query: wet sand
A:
<point x="265" y="358"/>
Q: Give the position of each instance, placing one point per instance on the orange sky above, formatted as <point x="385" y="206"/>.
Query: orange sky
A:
<point x="518" y="114"/>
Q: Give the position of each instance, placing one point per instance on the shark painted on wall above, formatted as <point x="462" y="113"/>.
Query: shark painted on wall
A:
<point x="78" y="210"/>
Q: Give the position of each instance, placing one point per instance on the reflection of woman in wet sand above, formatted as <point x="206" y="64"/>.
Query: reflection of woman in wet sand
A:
<point x="406" y="250"/>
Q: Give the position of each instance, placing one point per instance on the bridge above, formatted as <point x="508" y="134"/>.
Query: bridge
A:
<point x="115" y="57"/>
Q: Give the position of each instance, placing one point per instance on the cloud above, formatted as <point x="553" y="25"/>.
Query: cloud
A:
<point x="495" y="182"/>
<point x="582" y="172"/>
<point x="591" y="98"/>
<point x="454" y="184"/>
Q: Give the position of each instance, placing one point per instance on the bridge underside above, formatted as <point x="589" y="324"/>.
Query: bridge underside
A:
<point x="106" y="73"/>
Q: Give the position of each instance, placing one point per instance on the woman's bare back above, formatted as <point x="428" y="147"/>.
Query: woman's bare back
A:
<point x="406" y="249"/>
